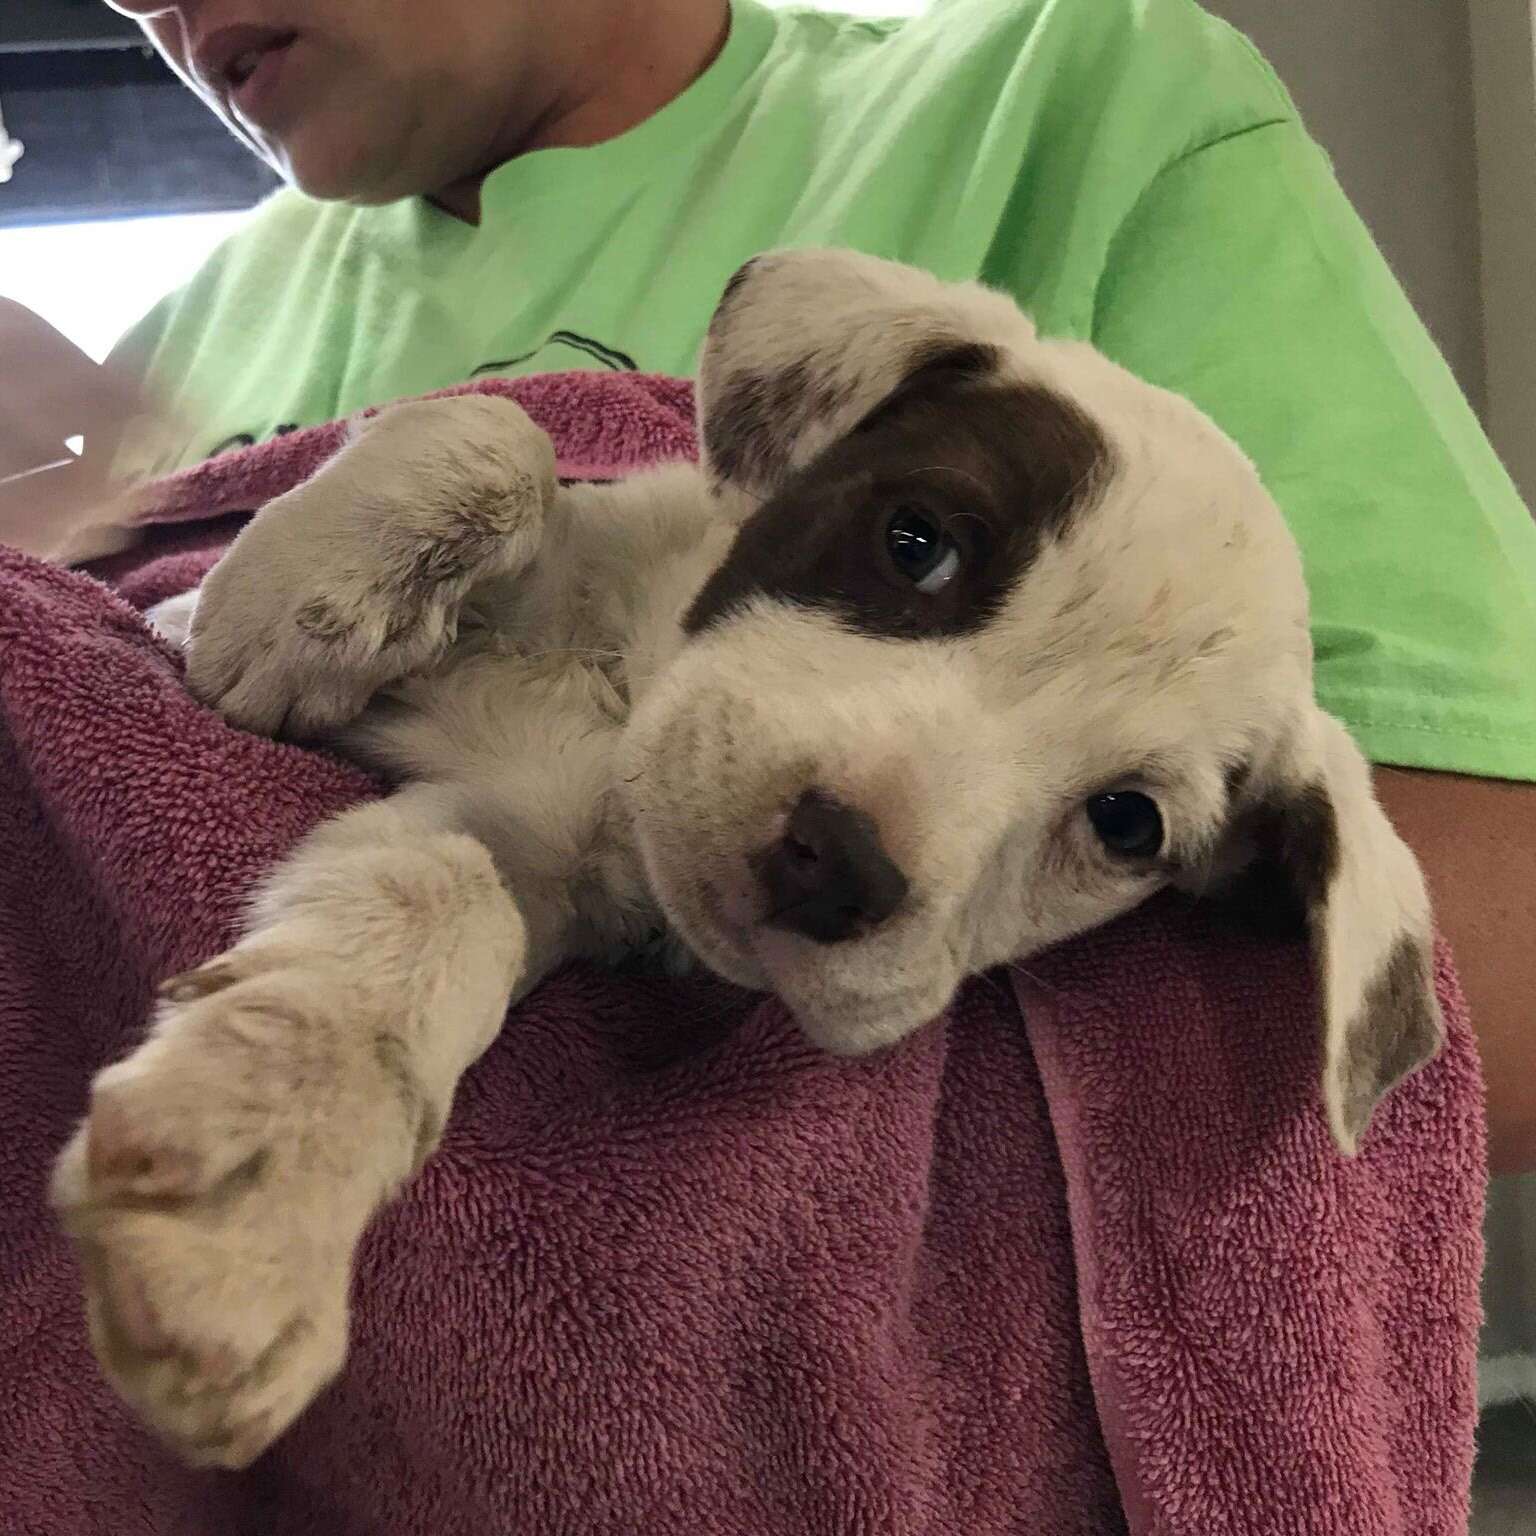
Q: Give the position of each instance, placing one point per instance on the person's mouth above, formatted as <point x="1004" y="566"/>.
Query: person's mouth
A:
<point x="236" y="61"/>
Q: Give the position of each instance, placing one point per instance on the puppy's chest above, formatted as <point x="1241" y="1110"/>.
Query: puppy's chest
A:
<point x="561" y="649"/>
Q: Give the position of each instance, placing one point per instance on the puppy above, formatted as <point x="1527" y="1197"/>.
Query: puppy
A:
<point x="959" y="642"/>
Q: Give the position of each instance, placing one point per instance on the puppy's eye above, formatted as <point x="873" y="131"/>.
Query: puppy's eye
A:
<point x="1128" y="823"/>
<point x="921" y="550"/>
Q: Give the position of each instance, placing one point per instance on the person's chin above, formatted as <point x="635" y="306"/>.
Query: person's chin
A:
<point x="326" y="180"/>
<point x="341" y="163"/>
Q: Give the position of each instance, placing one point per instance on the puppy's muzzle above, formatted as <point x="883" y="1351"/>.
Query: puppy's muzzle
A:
<point x="829" y="877"/>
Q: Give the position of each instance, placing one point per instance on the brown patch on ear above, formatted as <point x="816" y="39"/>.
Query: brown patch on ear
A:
<point x="750" y="430"/>
<point x="936" y="365"/>
<point x="737" y="433"/>
<point x="1294" y="873"/>
<point x="1285" y="851"/>
<point x="757" y="418"/>
<point x="1309" y="845"/>
<point x="1398" y="1030"/>
<point x="733" y="287"/>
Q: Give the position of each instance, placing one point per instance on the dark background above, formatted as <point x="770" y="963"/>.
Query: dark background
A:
<point x="108" y="129"/>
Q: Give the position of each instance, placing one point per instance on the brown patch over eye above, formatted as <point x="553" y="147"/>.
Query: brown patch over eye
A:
<point x="996" y="468"/>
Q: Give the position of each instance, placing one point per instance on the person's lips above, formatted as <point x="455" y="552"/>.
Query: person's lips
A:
<point x="227" y="59"/>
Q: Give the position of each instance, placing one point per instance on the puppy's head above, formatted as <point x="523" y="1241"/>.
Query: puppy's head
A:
<point x="1007" y="641"/>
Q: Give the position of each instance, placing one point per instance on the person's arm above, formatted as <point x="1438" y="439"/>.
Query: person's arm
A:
<point x="52" y="502"/>
<point x="1244" y="280"/>
<point x="1476" y="839"/>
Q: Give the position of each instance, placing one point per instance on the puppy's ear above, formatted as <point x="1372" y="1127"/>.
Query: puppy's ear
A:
<point x="1309" y="838"/>
<point x="804" y="344"/>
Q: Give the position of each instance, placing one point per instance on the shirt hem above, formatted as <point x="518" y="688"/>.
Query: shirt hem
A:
<point x="1440" y="748"/>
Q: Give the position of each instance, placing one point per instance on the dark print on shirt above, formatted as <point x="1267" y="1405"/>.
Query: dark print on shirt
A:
<point x="248" y="439"/>
<point x="608" y="357"/>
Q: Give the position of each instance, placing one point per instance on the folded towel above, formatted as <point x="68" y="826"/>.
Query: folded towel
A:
<point x="1077" y="1258"/>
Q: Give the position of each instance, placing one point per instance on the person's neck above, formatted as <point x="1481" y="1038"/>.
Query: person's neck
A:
<point x="639" y="59"/>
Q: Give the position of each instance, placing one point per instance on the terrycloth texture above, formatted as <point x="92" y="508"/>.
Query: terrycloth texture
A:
<point x="1077" y="1259"/>
<point x="643" y="420"/>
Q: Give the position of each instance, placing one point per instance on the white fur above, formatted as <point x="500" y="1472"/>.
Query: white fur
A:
<point x="581" y="776"/>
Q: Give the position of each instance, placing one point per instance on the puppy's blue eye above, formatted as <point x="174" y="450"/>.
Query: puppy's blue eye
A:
<point x="1128" y="823"/>
<point x="921" y="550"/>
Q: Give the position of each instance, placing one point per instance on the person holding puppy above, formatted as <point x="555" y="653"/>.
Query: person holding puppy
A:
<point x="474" y="191"/>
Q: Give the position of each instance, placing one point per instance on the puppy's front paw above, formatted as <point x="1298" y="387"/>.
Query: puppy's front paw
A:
<point x="215" y="1214"/>
<point x="294" y="662"/>
<point x="355" y="579"/>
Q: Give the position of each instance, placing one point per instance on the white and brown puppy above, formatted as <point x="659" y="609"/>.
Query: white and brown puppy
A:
<point x="959" y="643"/>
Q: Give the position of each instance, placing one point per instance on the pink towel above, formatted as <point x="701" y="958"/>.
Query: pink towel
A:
<point x="1078" y="1258"/>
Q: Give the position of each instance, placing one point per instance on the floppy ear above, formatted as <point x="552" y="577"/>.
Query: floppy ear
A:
<point x="1310" y="836"/>
<point x="804" y="344"/>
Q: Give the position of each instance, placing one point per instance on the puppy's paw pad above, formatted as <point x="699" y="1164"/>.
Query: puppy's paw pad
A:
<point x="218" y="1379"/>
<point x="215" y="1240"/>
<point x="127" y="1154"/>
<point x="217" y="1317"/>
<point x="131" y="1317"/>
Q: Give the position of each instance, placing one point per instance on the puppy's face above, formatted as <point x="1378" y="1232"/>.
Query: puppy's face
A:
<point x="1006" y="642"/>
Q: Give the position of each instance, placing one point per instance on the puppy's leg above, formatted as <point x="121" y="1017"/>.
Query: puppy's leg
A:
<point x="356" y="578"/>
<point x="220" y="1183"/>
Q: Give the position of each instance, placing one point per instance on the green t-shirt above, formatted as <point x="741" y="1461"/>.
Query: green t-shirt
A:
<point x="1129" y="169"/>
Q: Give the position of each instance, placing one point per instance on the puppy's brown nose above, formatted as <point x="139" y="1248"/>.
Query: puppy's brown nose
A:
<point x="828" y="877"/>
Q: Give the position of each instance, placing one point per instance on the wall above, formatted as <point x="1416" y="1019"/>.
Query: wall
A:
<point x="1504" y="74"/>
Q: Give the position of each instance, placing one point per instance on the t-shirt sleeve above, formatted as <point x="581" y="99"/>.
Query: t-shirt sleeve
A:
<point x="1245" y="281"/>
